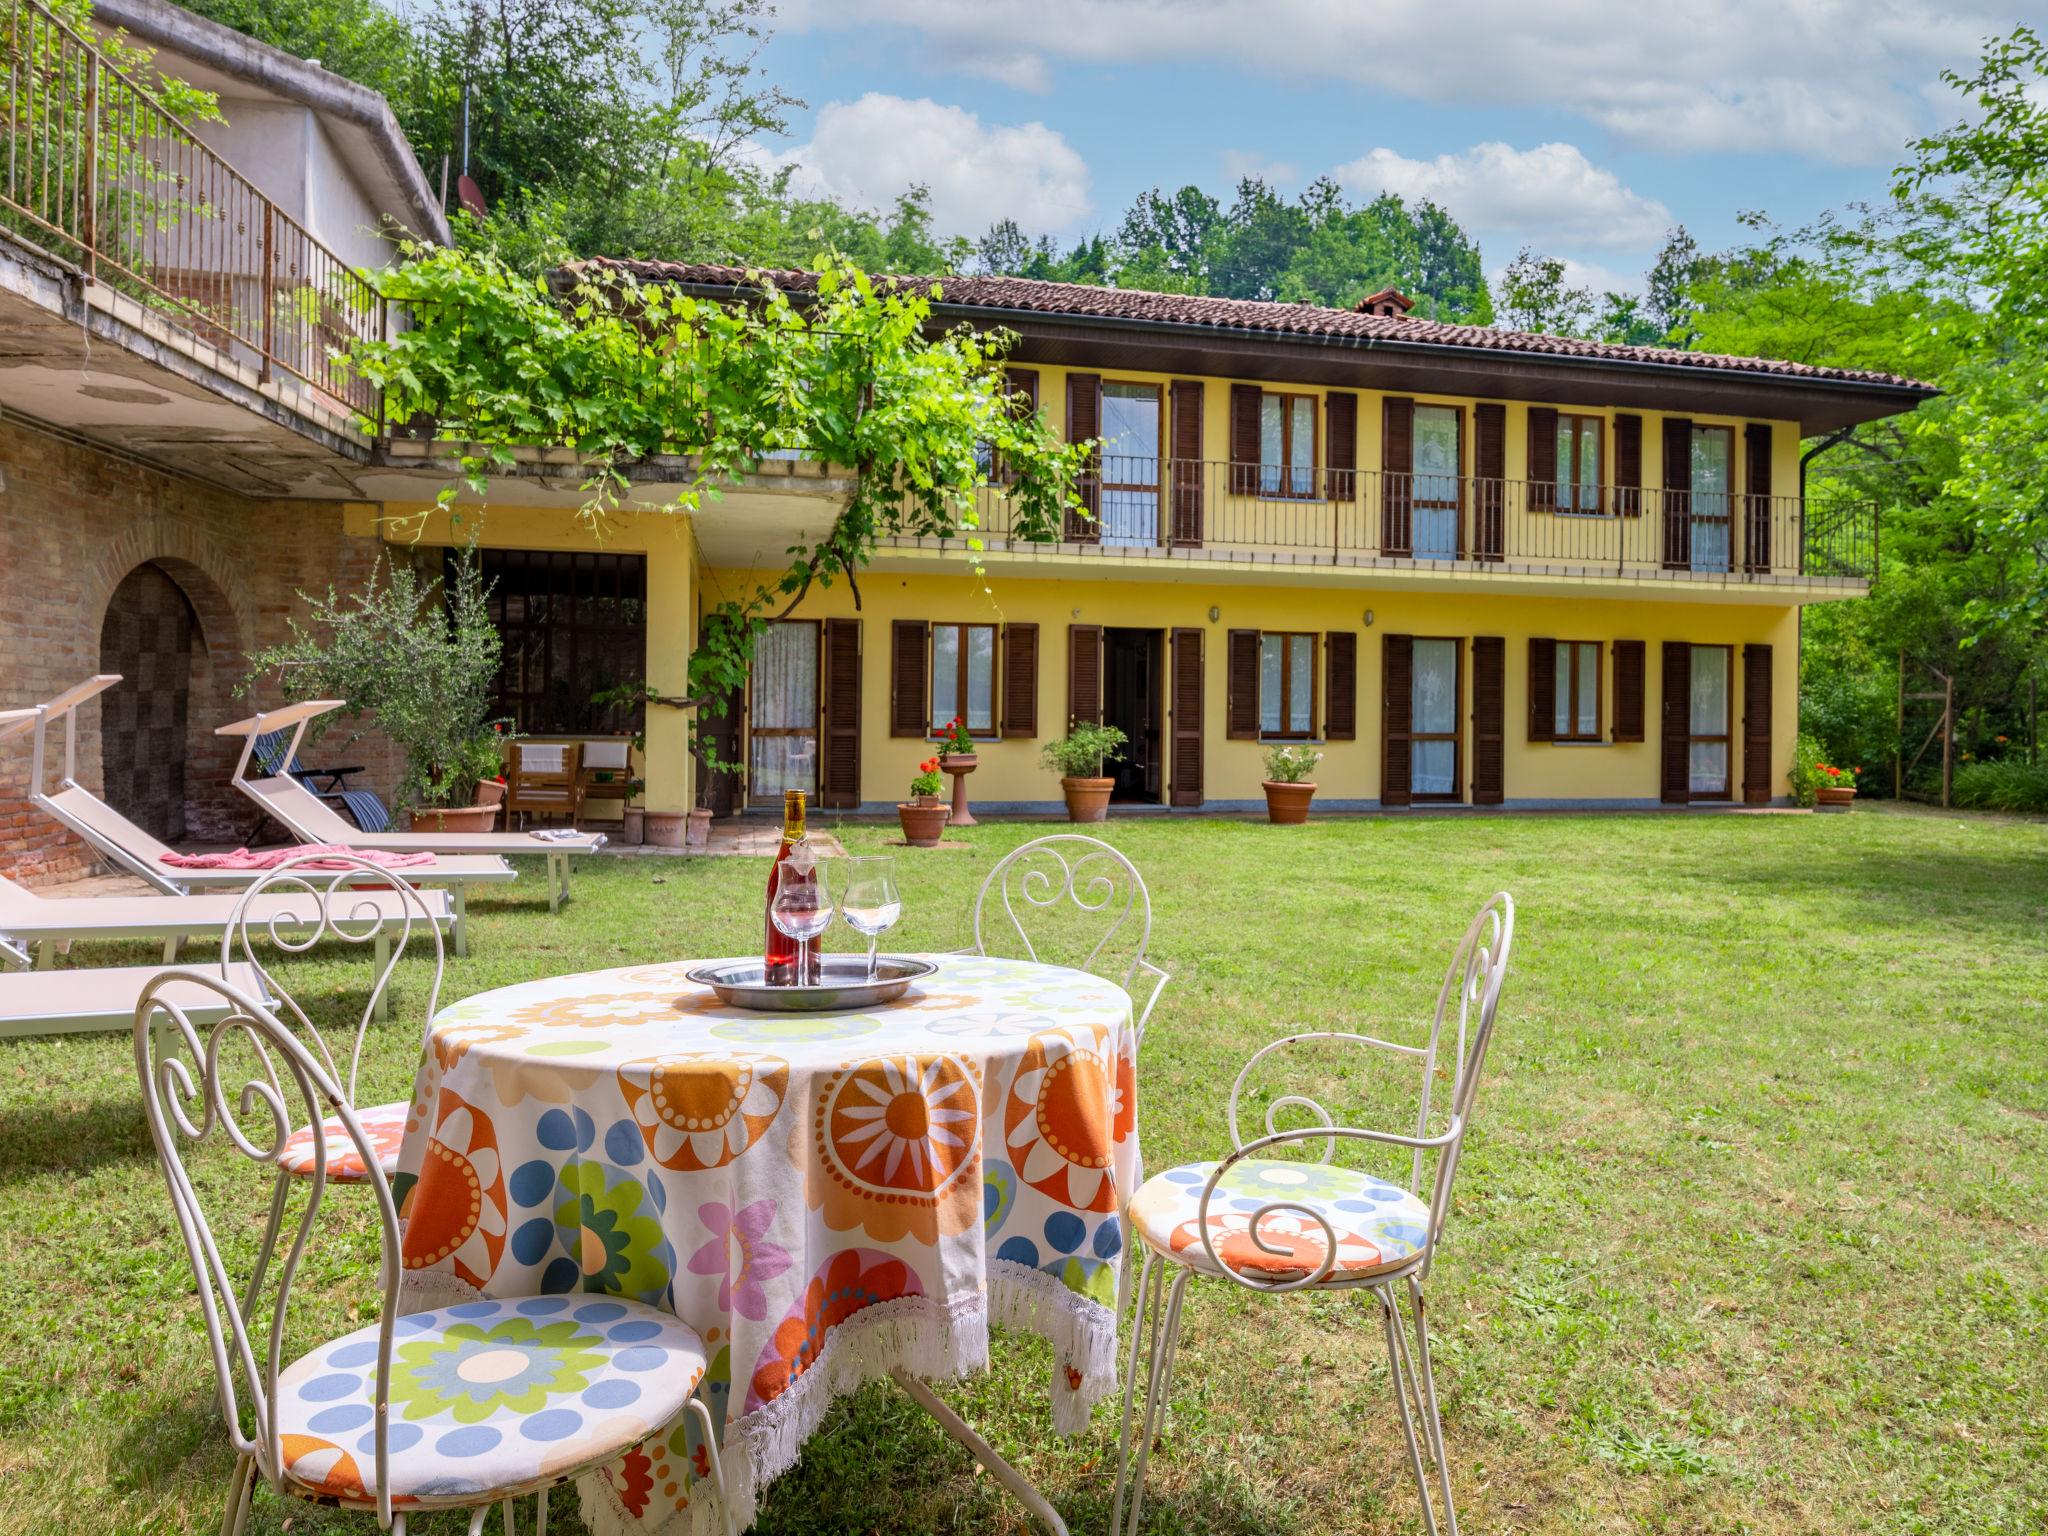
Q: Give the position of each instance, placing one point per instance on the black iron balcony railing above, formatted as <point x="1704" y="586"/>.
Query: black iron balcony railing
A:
<point x="102" y="176"/>
<point x="1251" y="512"/>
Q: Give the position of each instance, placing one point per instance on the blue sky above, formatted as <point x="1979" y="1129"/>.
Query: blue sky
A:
<point x="1583" y="128"/>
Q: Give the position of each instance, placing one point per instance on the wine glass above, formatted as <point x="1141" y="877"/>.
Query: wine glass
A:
<point x="802" y="909"/>
<point x="870" y="904"/>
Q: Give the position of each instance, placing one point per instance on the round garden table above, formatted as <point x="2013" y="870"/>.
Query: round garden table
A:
<point x="824" y="1197"/>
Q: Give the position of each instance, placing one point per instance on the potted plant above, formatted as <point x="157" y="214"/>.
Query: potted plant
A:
<point x="633" y="815"/>
<point x="1288" y="785"/>
<point x="958" y="758"/>
<point x="420" y="655"/>
<point x="1078" y="758"/>
<point x="923" y="816"/>
<point x="1836" y="788"/>
<point x="1816" y="783"/>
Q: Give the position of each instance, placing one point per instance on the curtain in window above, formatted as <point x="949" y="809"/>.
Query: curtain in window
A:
<point x="1709" y="766"/>
<point x="1712" y="485"/>
<point x="1130" y="459"/>
<point x="980" y="713"/>
<point x="1269" y="683"/>
<point x="785" y="700"/>
<point x="1436" y="485"/>
<point x="1434" y="711"/>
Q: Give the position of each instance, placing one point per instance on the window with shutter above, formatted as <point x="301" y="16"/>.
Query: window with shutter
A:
<point x="839" y="767"/>
<point x="1628" y="690"/>
<point x="1020" y="680"/>
<point x="963" y="686"/>
<point x="1675" y="746"/>
<point x="1084" y="674"/>
<point x="1244" y="439"/>
<point x="909" y="641"/>
<point x="1186" y="725"/>
<point x="1489" y="719"/>
<point x="1756" y="523"/>
<point x="1084" y="424"/>
<point x="1677" y="493"/>
<point x="1186" y="477"/>
<point x="1542" y="690"/>
<point x="1489" y="472"/>
<point x="1397" y="689"/>
<point x="1241" y="685"/>
<point x="1340" y="410"/>
<point x="1397" y="487"/>
<point x="1628" y="464"/>
<point x="1542" y="459"/>
<point x="1757" y="777"/>
<point x="1340" y="703"/>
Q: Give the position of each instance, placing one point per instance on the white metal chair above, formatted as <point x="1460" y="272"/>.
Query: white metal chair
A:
<point x="1090" y="876"/>
<point x="296" y="905"/>
<point x="462" y="1407"/>
<point x="1279" y="1224"/>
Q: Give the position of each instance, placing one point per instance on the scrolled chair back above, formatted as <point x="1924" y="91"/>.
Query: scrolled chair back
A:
<point x="247" y="1079"/>
<point x="1086" y="881"/>
<point x="1461" y="1029"/>
<point x="329" y="896"/>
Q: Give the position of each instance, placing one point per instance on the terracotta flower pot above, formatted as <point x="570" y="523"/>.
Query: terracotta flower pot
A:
<point x="1287" y="804"/>
<point x="1834" y="797"/>
<point x="633" y="826"/>
<point x="959" y="765"/>
<point x="452" y="818"/>
<point x="1087" y="799"/>
<point x="490" y="792"/>
<point x="665" y="829"/>
<point x="923" y="825"/>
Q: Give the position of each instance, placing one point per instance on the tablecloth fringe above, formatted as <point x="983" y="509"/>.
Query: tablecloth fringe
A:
<point x="1082" y="1332"/>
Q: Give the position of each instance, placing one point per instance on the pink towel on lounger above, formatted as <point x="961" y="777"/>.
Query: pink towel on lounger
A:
<point x="316" y="855"/>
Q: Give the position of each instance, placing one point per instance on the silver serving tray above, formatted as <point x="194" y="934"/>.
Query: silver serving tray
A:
<point x="844" y="984"/>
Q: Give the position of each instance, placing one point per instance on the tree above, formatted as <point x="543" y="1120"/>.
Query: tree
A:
<point x="1534" y="296"/>
<point x="1667" y="305"/>
<point x="1172" y="234"/>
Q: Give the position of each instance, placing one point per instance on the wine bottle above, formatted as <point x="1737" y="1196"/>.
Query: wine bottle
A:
<point x="779" y="957"/>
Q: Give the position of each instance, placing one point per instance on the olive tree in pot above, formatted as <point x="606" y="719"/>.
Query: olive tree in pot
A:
<point x="1078" y="758"/>
<point x="1288" y="785"/>
<point x="421" y="655"/>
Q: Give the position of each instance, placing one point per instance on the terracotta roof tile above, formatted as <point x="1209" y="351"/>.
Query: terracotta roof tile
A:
<point x="1023" y="295"/>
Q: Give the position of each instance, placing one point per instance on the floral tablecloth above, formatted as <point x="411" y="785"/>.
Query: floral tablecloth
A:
<point x="824" y="1197"/>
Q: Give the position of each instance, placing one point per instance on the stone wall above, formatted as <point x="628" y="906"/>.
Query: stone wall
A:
<point x="73" y="523"/>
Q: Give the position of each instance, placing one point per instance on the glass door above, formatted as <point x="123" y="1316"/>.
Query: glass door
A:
<point x="1439" y="459"/>
<point x="1708" y="778"/>
<point x="1713" y="487"/>
<point x="1130" y="463"/>
<point x="782" y="739"/>
<point x="1433" y="721"/>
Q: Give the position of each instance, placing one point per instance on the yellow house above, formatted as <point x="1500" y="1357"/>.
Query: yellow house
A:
<point x="1469" y="566"/>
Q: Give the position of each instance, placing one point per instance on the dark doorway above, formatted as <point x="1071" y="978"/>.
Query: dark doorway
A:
<point x="1133" y="701"/>
<point x="147" y="637"/>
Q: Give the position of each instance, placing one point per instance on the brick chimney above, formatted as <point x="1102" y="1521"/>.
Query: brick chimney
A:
<point x="1391" y="302"/>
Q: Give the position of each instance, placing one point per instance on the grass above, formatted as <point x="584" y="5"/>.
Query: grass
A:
<point x="1752" y="1236"/>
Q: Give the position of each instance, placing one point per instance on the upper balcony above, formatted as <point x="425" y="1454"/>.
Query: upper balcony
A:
<point x="1223" y="515"/>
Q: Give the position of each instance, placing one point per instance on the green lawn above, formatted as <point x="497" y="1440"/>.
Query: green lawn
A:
<point x="1752" y="1235"/>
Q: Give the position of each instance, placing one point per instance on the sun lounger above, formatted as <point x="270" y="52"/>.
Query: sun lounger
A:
<point x="129" y="847"/>
<point x="45" y="924"/>
<point x="71" y="1002"/>
<point x="310" y="820"/>
<point x="363" y="807"/>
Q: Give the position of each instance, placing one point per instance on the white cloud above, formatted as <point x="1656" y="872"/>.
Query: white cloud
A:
<point x="1548" y="196"/>
<point x="1838" y="80"/>
<point x="1019" y="71"/>
<point x="1240" y="163"/>
<point x="867" y="151"/>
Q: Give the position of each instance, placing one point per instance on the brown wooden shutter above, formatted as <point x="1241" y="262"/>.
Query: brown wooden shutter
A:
<point x="1340" y="674"/>
<point x="718" y="727"/>
<point x="1020" y="680"/>
<point x="1489" y="473"/>
<point x="1084" y="421"/>
<point x="1244" y="439"/>
<point x="1675" y="779"/>
<point x="1241" y="685"/>
<point x="1489" y="719"/>
<point x="839" y="718"/>
<point x="1186" y="476"/>
<point x="1340" y="453"/>
<point x="1542" y="458"/>
<point x="1677" y="493"/>
<point x="1756" y="524"/>
<point x="1185" y="783"/>
<point x="1628" y="464"/>
<point x="1543" y="690"/>
<point x="1757" y="778"/>
<point x="909" y="672"/>
<point x="1084" y="674"/>
<point x="1628" y="690"/>
<point x="1397" y="489"/>
<point x="1397" y="715"/>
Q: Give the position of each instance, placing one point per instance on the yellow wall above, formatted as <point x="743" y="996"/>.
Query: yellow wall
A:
<point x="1010" y="770"/>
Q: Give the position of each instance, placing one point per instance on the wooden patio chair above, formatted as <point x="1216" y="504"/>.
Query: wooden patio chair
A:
<point x="544" y="778"/>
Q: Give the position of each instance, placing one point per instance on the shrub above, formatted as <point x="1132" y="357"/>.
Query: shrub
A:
<point x="1805" y="774"/>
<point x="1081" y="753"/>
<point x="2009" y="784"/>
<point x="1288" y="764"/>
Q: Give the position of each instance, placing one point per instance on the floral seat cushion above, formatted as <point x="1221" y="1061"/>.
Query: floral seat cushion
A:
<point x="383" y="1127"/>
<point x="487" y="1398"/>
<point x="1379" y="1226"/>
